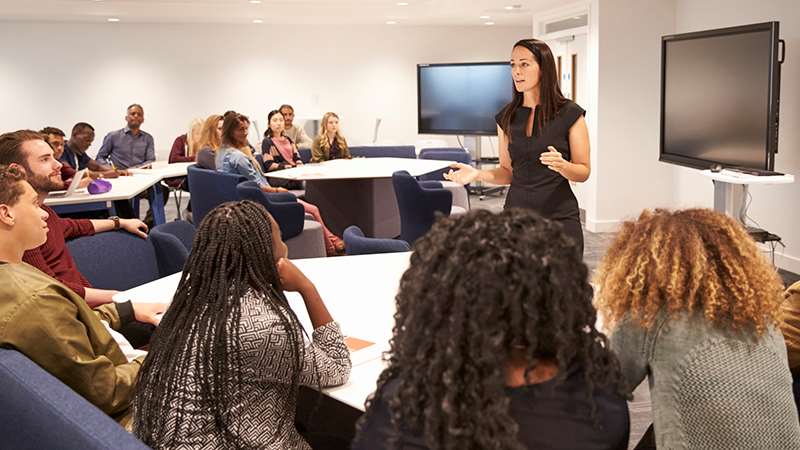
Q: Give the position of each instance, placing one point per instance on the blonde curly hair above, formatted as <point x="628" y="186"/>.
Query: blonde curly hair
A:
<point x="686" y="261"/>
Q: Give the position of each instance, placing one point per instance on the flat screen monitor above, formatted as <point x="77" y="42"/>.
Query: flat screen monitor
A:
<point x="719" y="97"/>
<point x="461" y="98"/>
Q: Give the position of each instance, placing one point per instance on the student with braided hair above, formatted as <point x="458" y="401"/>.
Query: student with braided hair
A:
<point x="495" y="345"/>
<point x="225" y="365"/>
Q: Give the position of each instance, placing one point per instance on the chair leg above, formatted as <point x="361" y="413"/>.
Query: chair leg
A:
<point x="178" y="194"/>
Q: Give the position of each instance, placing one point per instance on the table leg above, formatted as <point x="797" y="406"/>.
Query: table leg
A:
<point x="157" y="204"/>
<point x="368" y="203"/>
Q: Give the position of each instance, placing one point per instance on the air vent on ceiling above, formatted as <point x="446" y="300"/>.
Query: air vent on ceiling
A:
<point x="568" y="23"/>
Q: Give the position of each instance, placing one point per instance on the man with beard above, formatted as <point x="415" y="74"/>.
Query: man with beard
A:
<point x="28" y="149"/>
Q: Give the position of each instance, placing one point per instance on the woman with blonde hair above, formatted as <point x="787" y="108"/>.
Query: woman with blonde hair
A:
<point x="330" y="144"/>
<point x="691" y="304"/>
<point x="210" y="141"/>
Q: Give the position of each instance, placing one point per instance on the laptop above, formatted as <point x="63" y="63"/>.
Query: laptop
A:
<point x="73" y="187"/>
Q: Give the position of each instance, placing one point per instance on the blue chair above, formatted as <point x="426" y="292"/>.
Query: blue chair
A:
<point x="173" y="243"/>
<point x="355" y="243"/>
<point x="38" y="411"/>
<point x="305" y="155"/>
<point x="210" y="189"/>
<point x="115" y="260"/>
<point x="388" y="151"/>
<point x="304" y="238"/>
<point x="418" y="203"/>
<point x="456" y="154"/>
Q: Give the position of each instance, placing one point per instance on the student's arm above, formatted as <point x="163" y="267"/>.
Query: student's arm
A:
<point x="466" y="174"/>
<point x="578" y="168"/>
<point x="317" y="154"/>
<point x="627" y="341"/>
<point x="96" y="297"/>
<point x="133" y="226"/>
<point x="36" y="259"/>
<point x="150" y="152"/>
<point x="57" y="340"/>
<point x="105" y="149"/>
<point x="177" y="153"/>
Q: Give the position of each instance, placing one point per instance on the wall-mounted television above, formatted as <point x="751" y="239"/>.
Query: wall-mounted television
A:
<point x="719" y="97"/>
<point x="461" y="98"/>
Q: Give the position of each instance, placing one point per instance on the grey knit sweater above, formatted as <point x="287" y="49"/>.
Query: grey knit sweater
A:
<point x="711" y="388"/>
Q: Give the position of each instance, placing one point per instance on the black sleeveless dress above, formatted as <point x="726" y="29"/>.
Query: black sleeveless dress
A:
<point x="535" y="186"/>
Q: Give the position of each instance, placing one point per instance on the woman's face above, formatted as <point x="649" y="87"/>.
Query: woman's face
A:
<point x="524" y="69"/>
<point x="276" y="124"/>
<point x="332" y="126"/>
<point x="240" y="134"/>
<point x="219" y="128"/>
<point x="197" y="131"/>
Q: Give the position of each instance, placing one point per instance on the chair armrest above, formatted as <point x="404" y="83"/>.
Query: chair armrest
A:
<point x="290" y="217"/>
<point x="430" y="184"/>
<point x="282" y="197"/>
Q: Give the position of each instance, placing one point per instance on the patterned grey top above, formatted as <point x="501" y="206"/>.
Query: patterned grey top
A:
<point x="267" y="378"/>
<point x="711" y="388"/>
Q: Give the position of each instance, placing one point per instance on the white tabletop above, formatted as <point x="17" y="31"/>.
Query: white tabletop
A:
<point x="359" y="292"/>
<point x="164" y="169"/>
<point x="122" y="188"/>
<point x="360" y="168"/>
<point x="729" y="176"/>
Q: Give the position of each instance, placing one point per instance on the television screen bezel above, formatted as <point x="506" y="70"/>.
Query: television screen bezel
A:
<point x="451" y="131"/>
<point x="772" y="96"/>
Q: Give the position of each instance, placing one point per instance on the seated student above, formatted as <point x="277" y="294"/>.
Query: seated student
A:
<point x="55" y="138"/>
<point x="209" y="142"/>
<point x="51" y="325"/>
<point x="330" y="144"/>
<point x="226" y="362"/>
<point x="235" y="157"/>
<point x="693" y="307"/>
<point x="75" y="156"/>
<point x="279" y="152"/>
<point x="184" y="148"/>
<point x="790" y="326"/>
<point x="28" y="149"/>
<point x="292" y="131"/>
<point x="495" y="345"/>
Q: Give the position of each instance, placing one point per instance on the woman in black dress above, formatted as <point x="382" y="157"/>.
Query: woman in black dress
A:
<point x="543" y="141"/>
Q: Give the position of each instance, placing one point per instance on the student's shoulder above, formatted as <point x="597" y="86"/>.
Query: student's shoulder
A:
<point x="25" y="283"/>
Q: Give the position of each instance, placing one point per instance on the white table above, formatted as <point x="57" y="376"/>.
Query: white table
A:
<point x="359" y="292"/>
<point x="730" y="189"/>
<point x="128" y="187"/>
<point x="358" y="191"/>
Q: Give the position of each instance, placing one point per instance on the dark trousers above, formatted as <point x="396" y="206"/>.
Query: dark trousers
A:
<point x="323" y="422"/>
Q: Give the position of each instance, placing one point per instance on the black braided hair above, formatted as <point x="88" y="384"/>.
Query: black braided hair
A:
<point x="232" y="255"/>
<point x="479" y="287"/>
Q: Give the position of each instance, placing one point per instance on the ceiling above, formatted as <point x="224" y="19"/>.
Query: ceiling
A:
<point x="417" y="12"/>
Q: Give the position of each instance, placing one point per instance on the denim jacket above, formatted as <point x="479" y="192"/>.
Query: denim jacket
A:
<point x="232" y="160"/>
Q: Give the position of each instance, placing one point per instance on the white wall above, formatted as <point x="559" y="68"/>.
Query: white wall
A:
<point x="60" y="73"/>
<point x="775" y="208"/>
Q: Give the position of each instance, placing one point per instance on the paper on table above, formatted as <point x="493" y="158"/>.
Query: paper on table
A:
<point x="362" y="351"/>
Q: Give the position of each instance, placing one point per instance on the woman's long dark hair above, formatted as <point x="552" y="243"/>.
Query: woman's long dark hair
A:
<point x="199" y="334"/>
<point x="550" y="97"/>
<point x="480" y="289"/>
<point x="230" y="123"/>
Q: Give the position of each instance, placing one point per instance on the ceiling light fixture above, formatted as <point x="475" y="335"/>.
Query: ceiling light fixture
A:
<point x="258" y="21"/>
<point x="255" y="2"/>
<point x="112" y="19"/>
<point x="488" y="23"/>
<point x="391" y="22"/>
<point x="484" y="17"/>
<point x="402" y="3"/>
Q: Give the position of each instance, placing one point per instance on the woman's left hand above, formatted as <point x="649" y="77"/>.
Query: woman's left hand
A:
<point x="553" y="160"/>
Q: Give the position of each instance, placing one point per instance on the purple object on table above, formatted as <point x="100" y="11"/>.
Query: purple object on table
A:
<point x="99" y="186"/>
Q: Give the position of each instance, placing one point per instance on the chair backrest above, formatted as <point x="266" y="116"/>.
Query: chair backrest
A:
<point x="418" y="205"/>
<point x="173" y="243"/>
<point x="282" y="206"/>
<point x="305" y="155"/>
<point x="355" y="243"/>
<point x="456" y="154"/>
<point x="210" y="189"/>
<point x="38" y="411"/>
<point x="115" y="260"/>
<point x="386" y="151"/>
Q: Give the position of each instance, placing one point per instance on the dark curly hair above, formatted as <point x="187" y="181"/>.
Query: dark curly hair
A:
<point x="478" y="288"/>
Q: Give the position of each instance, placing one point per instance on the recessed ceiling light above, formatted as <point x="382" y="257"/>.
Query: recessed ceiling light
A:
<point x="402" y="3"/>
<point x="255" y="2"/>
<point x="508" y="7"/>
<point x="391" y="22"/>
<point x="488" y="23"/>
<point x="576" y="17"/>
<point x="258" y="21"/>
<point x="483" y="17"/>
<point x="112" y="19"/>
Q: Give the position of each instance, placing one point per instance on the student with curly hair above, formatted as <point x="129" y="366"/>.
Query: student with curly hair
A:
<point x="224" y="367"/>
<point x="693" y="306"/>
<point x="495" y="345"/>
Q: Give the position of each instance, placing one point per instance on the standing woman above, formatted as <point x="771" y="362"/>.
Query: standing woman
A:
<point x="330" y="144"/>
<point x="543" y="141"/>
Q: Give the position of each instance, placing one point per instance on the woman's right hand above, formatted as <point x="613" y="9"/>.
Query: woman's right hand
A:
<point x="292" y="278"/>
<point x="464" y="175"/>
